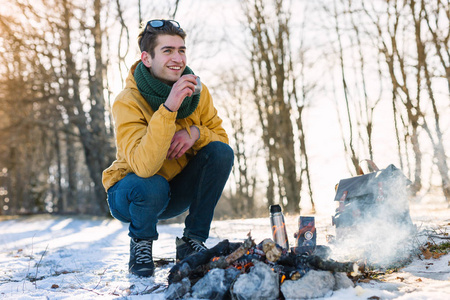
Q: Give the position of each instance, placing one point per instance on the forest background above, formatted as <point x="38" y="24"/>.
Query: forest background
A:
<point x="307" y="90"/>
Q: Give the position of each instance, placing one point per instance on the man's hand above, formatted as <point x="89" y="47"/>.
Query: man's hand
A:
<point x="184" y="87"/>
<point x="181" y="142"/>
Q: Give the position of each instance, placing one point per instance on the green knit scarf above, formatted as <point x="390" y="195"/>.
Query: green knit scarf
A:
<point x="156" y="92"/>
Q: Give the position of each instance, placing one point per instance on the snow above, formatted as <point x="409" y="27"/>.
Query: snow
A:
<point x="50" y="257"/>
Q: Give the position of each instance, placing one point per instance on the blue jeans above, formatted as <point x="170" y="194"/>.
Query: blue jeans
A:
<point x="143" y="201"/>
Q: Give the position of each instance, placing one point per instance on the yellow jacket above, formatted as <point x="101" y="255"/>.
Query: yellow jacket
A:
<point x="143" y="136"/>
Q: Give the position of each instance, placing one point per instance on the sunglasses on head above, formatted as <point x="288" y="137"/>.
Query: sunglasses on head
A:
<point x="161" y="23"/>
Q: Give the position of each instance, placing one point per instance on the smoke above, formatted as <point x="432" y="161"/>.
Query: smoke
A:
<point x="375" y="226"/>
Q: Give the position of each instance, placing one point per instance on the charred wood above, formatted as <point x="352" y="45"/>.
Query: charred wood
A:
<point x="224" y="262"/>
<point x="315" y="262"/>
<point x="190" y="264"/>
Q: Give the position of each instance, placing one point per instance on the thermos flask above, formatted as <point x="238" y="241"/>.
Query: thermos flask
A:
<point x="278" y="226"/>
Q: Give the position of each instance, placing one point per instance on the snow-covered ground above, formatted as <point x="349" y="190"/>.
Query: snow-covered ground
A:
<point x="45" y="257"/>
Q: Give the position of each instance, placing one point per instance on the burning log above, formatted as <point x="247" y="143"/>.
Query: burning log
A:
<point x="305" y="261"/>
<point x="287" y="272"/>
<point x="190" y="264"/>
<point x="273" y="253"/>
<point x="318" y="263"/>
<point x="224" y="262"/>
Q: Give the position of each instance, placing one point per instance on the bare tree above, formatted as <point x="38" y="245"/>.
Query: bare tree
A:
<point x="65" y="90"/>
<point x="423" y="70"/>
<point x="413" y="42"/>
<point x="277" y="101"/>
<point x="436" y="13"/>
<point x="243" y="139"/>
<point x="350" y="145"/>
<point x="356" y="118"/>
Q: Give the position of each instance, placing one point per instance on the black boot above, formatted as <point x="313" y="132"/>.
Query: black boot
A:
<point x="187" y="246"/>
<point x="141" y="261"/>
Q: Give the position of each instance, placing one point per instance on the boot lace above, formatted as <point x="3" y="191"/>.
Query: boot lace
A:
<point x="196" y="245"/>
<point x="144" y="252"/>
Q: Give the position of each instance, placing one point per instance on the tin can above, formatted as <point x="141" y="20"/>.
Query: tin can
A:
<point x="306" y="235"/>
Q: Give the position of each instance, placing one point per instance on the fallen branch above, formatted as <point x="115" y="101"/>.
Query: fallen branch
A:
<point x="440" y="237"/>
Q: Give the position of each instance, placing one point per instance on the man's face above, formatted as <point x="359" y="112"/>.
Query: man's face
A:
<point x="170" y="58"/>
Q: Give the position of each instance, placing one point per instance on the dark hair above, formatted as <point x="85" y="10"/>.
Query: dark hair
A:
<point x="148" y="35"/>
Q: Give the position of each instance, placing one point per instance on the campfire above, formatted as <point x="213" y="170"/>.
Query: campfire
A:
<point x="253" y="271"/>
<point x="372" y="225"/>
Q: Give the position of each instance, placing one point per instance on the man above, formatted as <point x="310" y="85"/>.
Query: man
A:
<point x="172" y="152"/>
